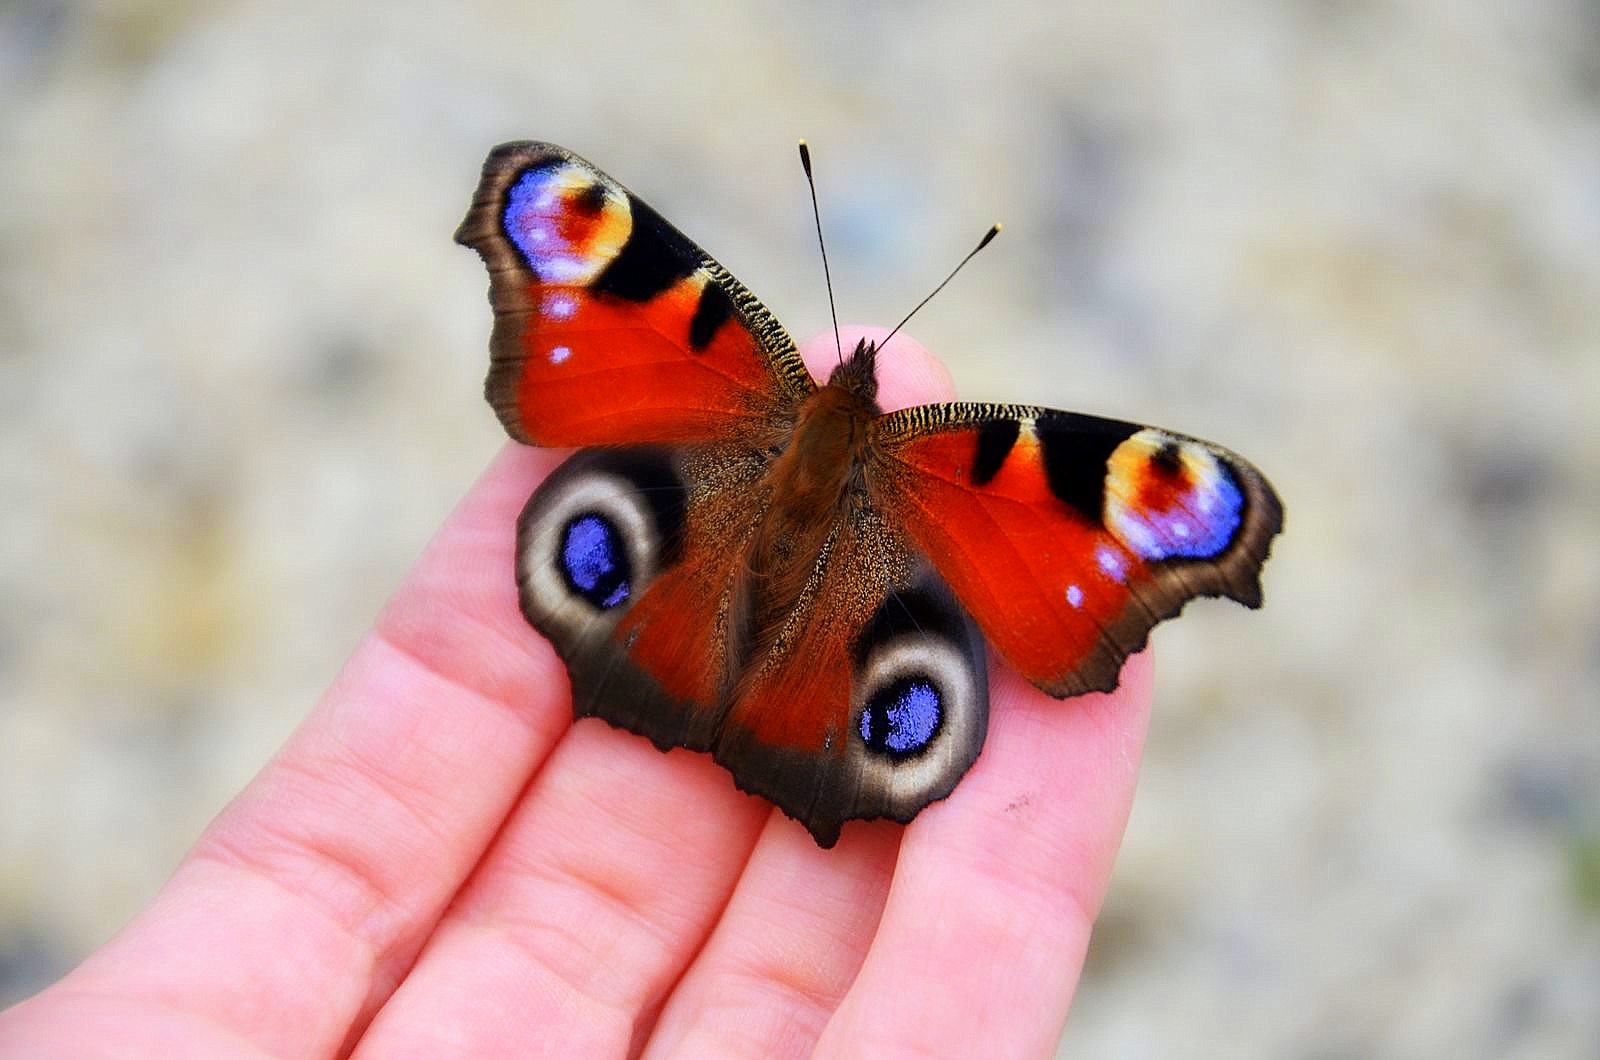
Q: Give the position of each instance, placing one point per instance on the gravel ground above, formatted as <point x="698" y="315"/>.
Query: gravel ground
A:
<point x="240" y="364"/>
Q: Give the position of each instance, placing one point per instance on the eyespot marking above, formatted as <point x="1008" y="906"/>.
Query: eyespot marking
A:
<point x="1167" y="497"/>
<point x="566" y="221"/>
<point x="559" y="354"/>
<point x="903" y="718"/>
<point x="594" y="562"/>
<point x="1074" y="596"/>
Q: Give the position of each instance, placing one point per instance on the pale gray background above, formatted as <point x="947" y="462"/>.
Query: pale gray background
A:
<point x="240" y="364"/>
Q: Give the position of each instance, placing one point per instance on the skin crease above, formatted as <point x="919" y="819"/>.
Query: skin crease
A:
<point x="439" y="863"/>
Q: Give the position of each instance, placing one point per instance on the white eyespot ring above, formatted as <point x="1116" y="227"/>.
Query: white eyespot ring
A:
<point x="963" y="707"/>
<point x="548" y="601"/>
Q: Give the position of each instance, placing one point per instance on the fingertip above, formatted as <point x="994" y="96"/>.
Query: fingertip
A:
<point x="1137" y="683"/>
<point x="907" y="373"/>
<point x="1108" y="727"/>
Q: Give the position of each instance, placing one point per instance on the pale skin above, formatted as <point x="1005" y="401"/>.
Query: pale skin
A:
<point x="440" y="863"/>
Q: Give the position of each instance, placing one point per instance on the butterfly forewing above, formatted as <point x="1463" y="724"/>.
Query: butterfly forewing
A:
<point x="1066" y="536"/>
<point x="610" y="325"/>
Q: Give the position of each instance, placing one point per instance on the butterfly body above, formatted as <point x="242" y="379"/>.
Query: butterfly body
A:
<point x="742" y="561"/>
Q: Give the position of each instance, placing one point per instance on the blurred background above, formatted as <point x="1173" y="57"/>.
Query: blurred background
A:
<point x="240" y="370"/>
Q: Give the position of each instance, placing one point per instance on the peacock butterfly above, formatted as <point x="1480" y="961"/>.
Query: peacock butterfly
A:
<point x="744" y="562"/>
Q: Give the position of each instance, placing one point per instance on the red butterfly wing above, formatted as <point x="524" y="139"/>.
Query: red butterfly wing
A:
<point x="611" y="326"/>
<point x="1068" y="537"/>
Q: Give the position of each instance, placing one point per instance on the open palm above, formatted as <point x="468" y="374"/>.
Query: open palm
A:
<point x="439" y="863"/>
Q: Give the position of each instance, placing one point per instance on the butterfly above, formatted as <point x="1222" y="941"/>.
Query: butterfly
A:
<point x="742" y="561"/>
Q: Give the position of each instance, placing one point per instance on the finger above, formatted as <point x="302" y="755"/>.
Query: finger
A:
<point x="801" y="919"/>
<point x="306" y="899"/>
<point x="787" y="947"/>
<point x="996" y="889"/>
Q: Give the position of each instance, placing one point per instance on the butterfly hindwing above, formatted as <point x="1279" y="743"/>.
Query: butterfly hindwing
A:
<point x="1067" y="536"/>
<point x="610" y="325"/>
<point x="623" y="564"/>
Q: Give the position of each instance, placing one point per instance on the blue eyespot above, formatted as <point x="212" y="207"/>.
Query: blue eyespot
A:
<point x="594" y="561"/>
<point x="565" y="223"/>
<point x="903" y="718"/>
<point x="1202" y="523"/>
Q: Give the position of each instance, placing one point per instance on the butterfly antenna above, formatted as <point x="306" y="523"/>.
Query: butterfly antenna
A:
<point x="805" y="163"/>
<point x="993" y="231"/>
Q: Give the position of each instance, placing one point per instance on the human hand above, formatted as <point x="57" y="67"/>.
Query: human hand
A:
<point x="440" y="863"/>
